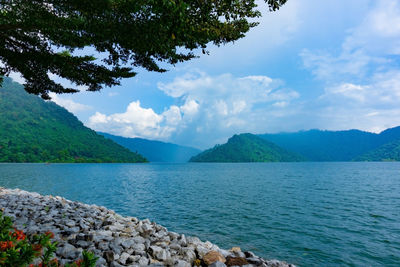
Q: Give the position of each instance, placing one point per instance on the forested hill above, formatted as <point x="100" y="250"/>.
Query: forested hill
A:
<point x="246" y="148"/>
<point x="386" y="152"/>
<point x="317" y="145"/>
<point x="33" y="130"/>
<point x="155" y="151"/>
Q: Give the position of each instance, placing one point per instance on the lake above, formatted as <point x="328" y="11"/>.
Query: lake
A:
<point x="309" y="214"/>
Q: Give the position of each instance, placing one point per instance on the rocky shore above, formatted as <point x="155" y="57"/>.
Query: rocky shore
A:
<point x="116" y="240"/>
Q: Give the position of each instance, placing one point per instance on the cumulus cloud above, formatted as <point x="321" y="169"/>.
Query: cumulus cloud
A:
<point x="211" y="107"/>
<point x="367" y="48"/>
<point x="69" y="104"/>
<point x="362" y="79"/>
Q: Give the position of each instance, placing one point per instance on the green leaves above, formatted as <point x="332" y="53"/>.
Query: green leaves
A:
<point x="17" y="250"/>
<point x="32" y="130"/>
<point x="133" y="33"/>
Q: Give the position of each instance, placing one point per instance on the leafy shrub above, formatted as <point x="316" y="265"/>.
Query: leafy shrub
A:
<point x="18" y="249"/>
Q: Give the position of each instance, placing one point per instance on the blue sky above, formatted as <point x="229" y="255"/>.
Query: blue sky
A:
<point x="331" y="64"/>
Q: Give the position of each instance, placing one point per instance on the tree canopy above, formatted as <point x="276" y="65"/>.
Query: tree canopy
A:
<point x="40" y="37"/>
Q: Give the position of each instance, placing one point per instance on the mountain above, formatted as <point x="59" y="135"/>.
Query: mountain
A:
<point x="386" y="152"/>
<point x="34" y="130"/>
<point x="317" y="145"/>
<point x="155" y="151"/>
<point x="246" y="148"/>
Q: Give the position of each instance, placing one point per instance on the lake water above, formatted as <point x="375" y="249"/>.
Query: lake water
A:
<point x="309" y="214"/>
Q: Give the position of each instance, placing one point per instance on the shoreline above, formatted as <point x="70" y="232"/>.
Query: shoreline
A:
<point x="115" y="239"/>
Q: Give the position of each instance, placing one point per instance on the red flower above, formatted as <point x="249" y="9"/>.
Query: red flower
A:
<point x="18" y="234"/>
<point x="37" y="247"/>
<point x="49" y="234"/>
<point x="4" y="245"/>
<point x="78" y="262"/>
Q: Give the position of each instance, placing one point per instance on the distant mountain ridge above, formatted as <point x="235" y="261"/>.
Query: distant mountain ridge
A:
<point x="317" y="145"/>
<point x="155" y="151"/>
<point x="246" y="148"/>
<point x="33" y="130"/>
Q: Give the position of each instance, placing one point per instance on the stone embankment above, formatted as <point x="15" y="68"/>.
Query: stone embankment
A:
<point x="116" y="240"/>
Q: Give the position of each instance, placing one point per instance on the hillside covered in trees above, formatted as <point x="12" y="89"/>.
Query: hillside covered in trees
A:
<point x="318" y="145"/>
<point x="155" y="151"/>
<point x="33" y="130"/>
<point x="386" y="152"/>
<point x="246" y="148"/>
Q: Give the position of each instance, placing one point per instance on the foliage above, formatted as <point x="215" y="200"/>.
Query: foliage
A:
<point x="33" y="130"/>
<point x="316" y="145"/>
<point x="40" y="37"/>
<point x="386" y="152"/>
<point x="16" y="249"/>
<point x="246" y="148"/>
<point x="155" y="151"/>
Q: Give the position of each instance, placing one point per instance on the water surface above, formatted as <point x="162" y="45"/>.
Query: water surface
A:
<point x="309" y="214"/>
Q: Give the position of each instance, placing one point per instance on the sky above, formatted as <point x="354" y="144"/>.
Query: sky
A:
<point x="332" y="64"/>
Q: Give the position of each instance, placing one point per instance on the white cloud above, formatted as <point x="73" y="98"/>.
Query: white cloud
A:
<point x="362" y="77"/>
<point x="17" y="77"/>
<point x="366" y="49"/>
<point x="69" y="104"/>
<point x="212" y="107"/>
<point x="137" y="121"/>
<point x="190" y="108"/>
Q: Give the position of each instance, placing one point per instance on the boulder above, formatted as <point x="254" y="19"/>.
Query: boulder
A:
<point x="212" y="257"/>
<point x="236" y="261"/>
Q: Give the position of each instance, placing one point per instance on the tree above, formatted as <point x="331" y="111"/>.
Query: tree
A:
<point x="39" y="37"/>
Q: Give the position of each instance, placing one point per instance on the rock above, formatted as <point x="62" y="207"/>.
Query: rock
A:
<point x="124" y="256"/>
<point x="235" y="249"/>
<point x="217" y="264"/>
<point x="101" y="261"/>
<point x="70" y="223"/>
<point x="108" y="256"/>
<point x="182" y="241"/>
<point x="143" y="261"/>
<point x="254" y="260"/>
<point x="114" y="247"/>
<point x="138" y="239"/>
<point x="236" y="261"/>
<point x="225" y="253"/>
<point x="83" y="244"/>
<point x="249" y="254"/>
<point x="128" y="243"/>
<point x="103" y="246"/>
<point x="181" y="263"/>
<point x="201" y="251"/>
<point x="138" y="247"/>
<point x="115" y="264"/>
<point x="159" y="253"/>
<point x="212" y="257"/>
<point x="116" y="240"/>
<point x="175" y="246"/>
<point x="67" y="251"/>
<point x="132" y="259"/>
<point x="238" y="252"/>
<point x="189" y="254"/>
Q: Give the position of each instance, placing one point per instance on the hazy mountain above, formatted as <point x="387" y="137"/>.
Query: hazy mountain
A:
<point x="33" y="130"/>
<point x="246" y="148"/>
<point x="317" y="145"/>
<point x="155" y="151"/>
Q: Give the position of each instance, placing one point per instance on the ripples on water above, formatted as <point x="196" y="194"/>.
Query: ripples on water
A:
<point x="310" y="214"/>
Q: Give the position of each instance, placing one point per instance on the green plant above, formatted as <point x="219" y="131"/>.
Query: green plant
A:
<point x="17" y="249"/>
